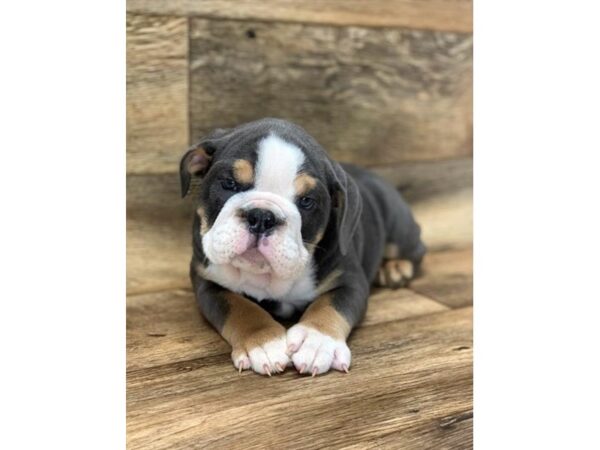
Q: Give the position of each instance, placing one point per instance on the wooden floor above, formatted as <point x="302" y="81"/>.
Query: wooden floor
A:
<point x="410" y="384"/>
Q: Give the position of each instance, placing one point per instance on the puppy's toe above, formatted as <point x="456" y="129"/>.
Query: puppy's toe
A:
<point x="240" y="359"/>
<point x="406" y="268"/>
<point x="317" y="352"/>
<point x="342" y="358"/>
<point x="395" y="273"/>
<point x="295" y="337"/>
<point x="323" y="357"/>
<point x="270" y="357"/>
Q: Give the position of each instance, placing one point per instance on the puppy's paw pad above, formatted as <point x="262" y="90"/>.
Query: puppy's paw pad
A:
<point x="317" y="352"/>
<point x="270" y="357"/>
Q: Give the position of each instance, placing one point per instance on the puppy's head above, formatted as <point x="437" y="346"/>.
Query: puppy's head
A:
<point x="268" y="193"/>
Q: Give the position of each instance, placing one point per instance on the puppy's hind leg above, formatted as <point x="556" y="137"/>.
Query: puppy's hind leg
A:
<point x="404" y="249"/>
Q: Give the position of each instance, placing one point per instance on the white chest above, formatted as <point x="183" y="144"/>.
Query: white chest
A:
<point x="297" y="292"/>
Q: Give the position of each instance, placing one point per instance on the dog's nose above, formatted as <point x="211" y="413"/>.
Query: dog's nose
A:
<point x="260" y="220"/>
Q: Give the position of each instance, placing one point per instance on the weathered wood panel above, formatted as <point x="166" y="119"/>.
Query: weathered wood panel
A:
<point x="449" y="15"/>
<point x="448" y="277"/>
<point x="423" y="180"/>
<point x="166" y="328"/>
<point x="157" y="91"/>
<point x="446" y="220"/>
<point x="159" y="222"/>
<point x="370" y="96"/>
<point x="411" y="380"/>
<point x="159" y="239"/>
<point x="453" y="432"/>
<point x="387" y="305"/>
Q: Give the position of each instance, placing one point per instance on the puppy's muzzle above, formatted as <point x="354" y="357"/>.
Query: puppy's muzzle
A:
<point x="260" y="221"/>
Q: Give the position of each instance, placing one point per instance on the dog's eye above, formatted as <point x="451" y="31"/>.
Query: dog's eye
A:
<point x="230" y="185"/>
<point x="306" y="202"/>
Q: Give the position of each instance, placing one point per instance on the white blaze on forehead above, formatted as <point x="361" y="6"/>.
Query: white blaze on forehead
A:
<point x="277" y="166"/>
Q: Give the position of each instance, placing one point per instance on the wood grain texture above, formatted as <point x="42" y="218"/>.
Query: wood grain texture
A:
<point x="159" y="234"/>
<point x="446" y="220"/>
<point x="422" y="180"/>
<point x="451" y="15"/>
<point x="411" y="381"/>
<point x="157" y="91"/>
<point x="452" y="432"/>
<point x="166" y="328"/>
<point x="387" y="305"/>
<point x="448" y="277"/>
<point x="369" y="96"/>
<point x="159" y="224"/>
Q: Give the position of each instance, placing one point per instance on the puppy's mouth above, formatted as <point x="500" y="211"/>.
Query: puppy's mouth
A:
<point x="252" y="258"/>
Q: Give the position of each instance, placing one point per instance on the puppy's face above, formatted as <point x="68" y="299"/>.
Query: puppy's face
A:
<point x="264" y="202"/>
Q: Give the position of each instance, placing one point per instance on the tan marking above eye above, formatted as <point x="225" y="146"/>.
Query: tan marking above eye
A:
<point x="243" y="172"/>
<point x="304" y="183"/>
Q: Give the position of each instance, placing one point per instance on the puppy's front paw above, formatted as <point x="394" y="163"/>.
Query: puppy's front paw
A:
<point x="263" y="356"/>
<point x="315" y="352"/>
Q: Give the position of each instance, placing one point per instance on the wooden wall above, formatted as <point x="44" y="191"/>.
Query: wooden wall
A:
<point x="375" y="82"/>
<point x="382" y="83"/>
<point x="157" y="92"/>
<point x="369" y="96"/>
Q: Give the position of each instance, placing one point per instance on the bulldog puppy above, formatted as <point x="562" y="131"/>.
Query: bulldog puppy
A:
<point x="282" y="230"/>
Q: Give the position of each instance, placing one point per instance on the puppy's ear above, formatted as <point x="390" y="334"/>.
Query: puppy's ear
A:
<point x="197" y="159"/>
<point x="195" y="162"/>
<point x="347" y="204"/>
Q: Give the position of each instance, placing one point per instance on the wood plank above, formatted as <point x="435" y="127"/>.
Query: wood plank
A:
<point x="387" y="305"/>
<point x="181" y="334"/>
<point x="408" y="377"/>
<point x="159" y="239"/>
<point x="446" y="220"/>
<point x="157" y="90"/>
<point x="370" y="96"/>
<point x="166" y="327"/>
<point x="159" y="224"/>
<point x="448" y="277"/>
<point x="452" y="432"/>
<point x="425" y="14"/>
<point x="422" y="180"/>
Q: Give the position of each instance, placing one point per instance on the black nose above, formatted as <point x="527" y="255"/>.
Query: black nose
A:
<point x="260" y="220"/>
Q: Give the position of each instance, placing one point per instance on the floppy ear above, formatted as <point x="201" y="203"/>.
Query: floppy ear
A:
<point x="347" y="203"/>
<point x="196" y="161"/>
